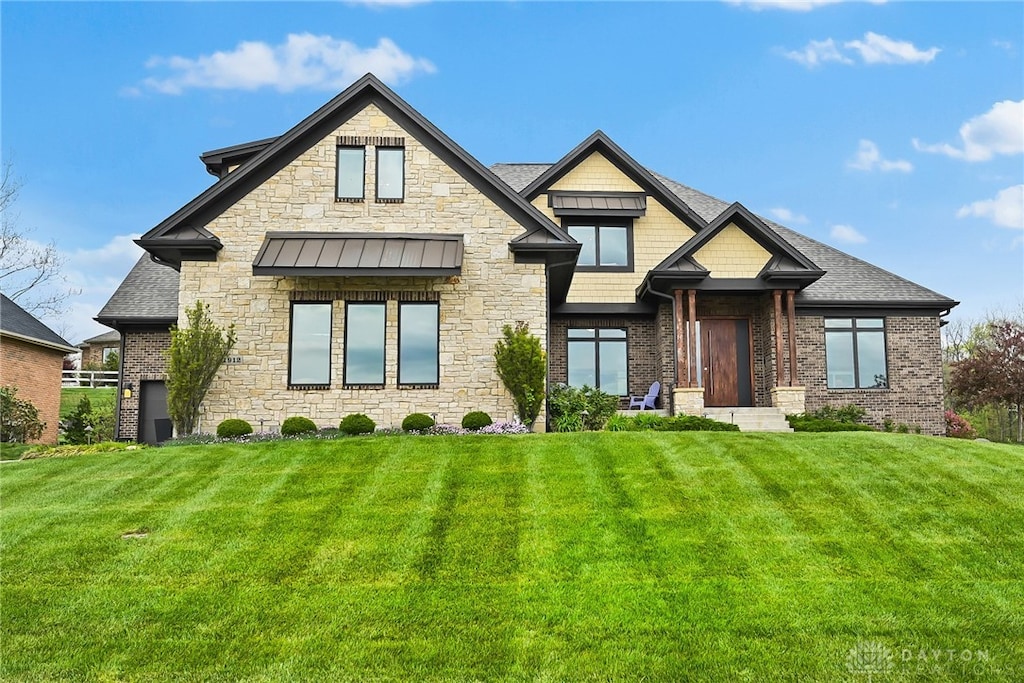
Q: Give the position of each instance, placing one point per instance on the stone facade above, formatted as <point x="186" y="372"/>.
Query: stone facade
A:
<point x="492" y="290"/>
<point x="914" y="356"/>
<point x="144" y="359"/>
<point x="36" y="372"/>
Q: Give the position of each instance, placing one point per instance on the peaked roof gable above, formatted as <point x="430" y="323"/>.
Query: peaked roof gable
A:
<point x="18" y="323"/>
<point x="314" y="128"/>
<point x="784" y="256"/>
<point x="599" y="142"/>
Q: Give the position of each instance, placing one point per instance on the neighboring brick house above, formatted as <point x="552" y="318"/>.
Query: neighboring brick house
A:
<point x="369" y="263"/>
<point x="96" y="350"/>
<point x="31" y="360"/>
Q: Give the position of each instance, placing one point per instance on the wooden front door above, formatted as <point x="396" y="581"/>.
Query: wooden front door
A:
<point x="725" y="358"/>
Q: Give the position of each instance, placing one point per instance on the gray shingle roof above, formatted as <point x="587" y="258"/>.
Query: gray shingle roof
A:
<point x="17" y="322"/>
<point x="149" y="293"/>
<point x="111" y="336"/>
<point x="846" y="278"/>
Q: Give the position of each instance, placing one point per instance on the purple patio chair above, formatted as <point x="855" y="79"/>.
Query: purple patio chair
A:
<point x="645" y="402"/>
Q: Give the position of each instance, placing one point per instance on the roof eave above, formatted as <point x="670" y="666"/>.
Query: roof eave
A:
<point x="40" y="342"/>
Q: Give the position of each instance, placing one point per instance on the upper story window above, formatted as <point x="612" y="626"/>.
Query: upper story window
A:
<point x="390" y="174"/>
<point x="855" y="353"/>
<point x="351" y="173"/>
<point x="606" y="245"/>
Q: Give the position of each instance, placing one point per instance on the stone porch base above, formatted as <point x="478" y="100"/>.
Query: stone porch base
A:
<point x="790" y="400"/>
<point x="688" y="401"/>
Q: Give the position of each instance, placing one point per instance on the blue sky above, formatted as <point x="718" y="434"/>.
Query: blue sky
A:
<point x="893" y="131"/>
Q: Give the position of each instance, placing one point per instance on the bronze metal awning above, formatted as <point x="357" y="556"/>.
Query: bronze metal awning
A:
<point x="624" y="204"/>
<point x="347" y="254"/>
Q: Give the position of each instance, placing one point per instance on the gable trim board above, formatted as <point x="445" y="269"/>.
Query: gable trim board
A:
<point x="519" y="266"/>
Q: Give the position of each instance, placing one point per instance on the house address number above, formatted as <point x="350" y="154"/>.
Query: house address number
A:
<point x="233" y="360"/>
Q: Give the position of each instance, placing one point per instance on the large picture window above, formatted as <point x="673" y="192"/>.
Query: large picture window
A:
<point x="390" y="173"/>
<point x="605" y="247"/>
<point x="418" y="335"/>
<point x="364" y="343"/>
<point x="310" y="344"/>
<point x="351" y="172"/>
<point x="597" y="358"/>
<point x="855" y="353"/>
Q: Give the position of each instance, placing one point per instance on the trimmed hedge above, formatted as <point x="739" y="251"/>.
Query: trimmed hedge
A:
<point x="476" y="420"/>
<point x="417" y="422"/>
<point x="642" y="422"/>
<point x="297" y="425"/>
<point x="357" y="423"/>
<point x="808" y="423"/>
<point x="233" y="427"/>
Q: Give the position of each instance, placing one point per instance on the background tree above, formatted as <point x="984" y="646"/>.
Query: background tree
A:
<point x="196" y="353"/>
<point x="30" y="273"/>
<point x="992" y="371"/>
<point x="522" y="366"/>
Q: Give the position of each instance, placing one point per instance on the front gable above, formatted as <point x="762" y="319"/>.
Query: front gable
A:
<point x="297" y="162"/>
<point x="735" y="252"/>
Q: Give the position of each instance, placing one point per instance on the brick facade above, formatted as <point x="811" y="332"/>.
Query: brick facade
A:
<point x="144" y="359"/>
<point x="914" y="356"/>
<point x="36" y="372"/>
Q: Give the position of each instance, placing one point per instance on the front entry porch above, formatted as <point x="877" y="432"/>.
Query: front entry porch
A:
<point x="735" y="351"/>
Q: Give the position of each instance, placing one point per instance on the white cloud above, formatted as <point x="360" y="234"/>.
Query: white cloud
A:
<point x="783" y="214"/>
<point x="96" y="273"/>
<point x="868" y="158"/>
<point x="1000" y="130"/>
<point x="791" y="5"/>
<point x="817" y="52"/>
<point x="873" y="49"/>
<point x="879" y="49"/>
<point x="303" y="61"/>
<point x="848" y="234"/>
<point x="1006" y="209"/>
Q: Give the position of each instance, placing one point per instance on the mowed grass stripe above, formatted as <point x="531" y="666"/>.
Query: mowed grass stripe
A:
<point x="561" y="557"/>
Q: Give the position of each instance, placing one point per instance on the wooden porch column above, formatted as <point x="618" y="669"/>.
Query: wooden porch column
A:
<point x="779" y="371"/>
<point x="791" y="320"/>
<point x="681" y="377"/>
<point x="692" y="346"/>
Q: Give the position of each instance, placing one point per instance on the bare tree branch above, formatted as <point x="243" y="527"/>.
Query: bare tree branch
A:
<point x="30" y="273"/>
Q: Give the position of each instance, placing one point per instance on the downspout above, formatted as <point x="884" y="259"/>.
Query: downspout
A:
<point x="547" y="331"/>
<point x="120" y="390"/>
<point x="675" y="364"/>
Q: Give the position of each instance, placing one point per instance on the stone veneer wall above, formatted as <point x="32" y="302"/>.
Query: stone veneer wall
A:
<point x="643" y="352"/>
<point x="913" y="353"/>
<point x="36" y="372"/>
<point x="143" y="359"/>
<point x="492" y="290"/>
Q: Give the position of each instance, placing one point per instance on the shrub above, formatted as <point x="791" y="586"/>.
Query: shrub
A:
<point x="19" y="420"/>
<point x="620" y="423"/>
<point x="297" y="425"/>
<point x="694" y="423"/>
<point x="522" y="367"/>
<point x="357" y="423"/>
<point x="195" y="354"/>
<point x="646" y="421"/>
<point x="417" y="422"/>
<point x="809" y="423"/>
<point x="78" y="427"/>
<point x="958" y="427"/>
<point x="589" y="407"/>
<point x="849" y="414"/>
<point x="232" y="428"/>
<point x="475" y="420"/>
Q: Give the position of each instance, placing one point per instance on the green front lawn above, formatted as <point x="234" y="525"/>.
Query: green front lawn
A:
<point x="635" y="556"/>
<point x="99" y="397"/>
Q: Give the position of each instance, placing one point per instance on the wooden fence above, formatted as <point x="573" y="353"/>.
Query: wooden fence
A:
<point x="89" y="378"/>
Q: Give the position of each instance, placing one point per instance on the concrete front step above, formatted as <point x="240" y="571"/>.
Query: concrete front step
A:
<point x="751" y="419"/>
